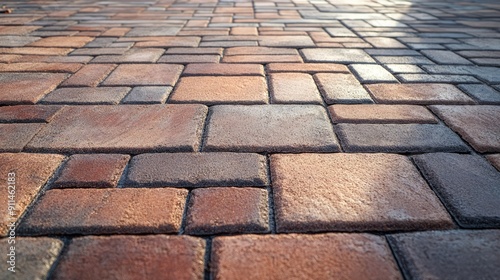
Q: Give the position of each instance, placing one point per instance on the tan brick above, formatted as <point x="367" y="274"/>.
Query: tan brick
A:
<point x="261" y="58"/>
<point x="133" y="257"/>
<point x="374" y="192"/>
<point x="36" y="51"/>
<point x="221" y="69"/>
<point x="90" y="75"/>
<point x="217" y="90"/>
<point x="244" y="31"/>
<point x="260" y="51"/>
<point x="294" y="88"/>
<point x="376" y="113"/>
<point x="341" y="88"/>
<point x="62" y="42"/>
<point x="307" y="67"/>
<point x="32" y="172"/>
<point x="227" y="210"/>
<point x="143" y="74"/>
<point x="106" y="211"/>
<point x="116" y="32"/>
<point x="27" y="88"/>
<point x="418" y="94"/>
<point x="293" y="256"/>
<point x="41" y="67"/>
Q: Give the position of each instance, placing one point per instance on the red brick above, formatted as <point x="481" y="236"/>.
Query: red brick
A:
<point x="220" y="69"/>
<point x="418" y="94"/>
<point x="27" y="88"/>
<point x="41" y="67"/>
<point x="86" y="95"/>
<point x="307" y="67"/>
<point x="133" y="257"/>
<point x="217" y="90"/>
<point x="90" y="75"/>
<point x="106" y="211"/>
<point x="227" y="210"/>
<point x="294" y="88"/>
<point x="261" y="58"/>
<point x="62" y="42"/>
<point x="479" y="125"/>
<point x="14" y="136"/>
<point x="135" y="55"/>
<point x="373" y="192"/>
<point x="27" y="113"/>
<point x="93" y="170"/>
<point x="36" y="51"/>
<point x="32" y="172"/>
<point x="375" y="113"/>
<point x="143" y="74"/>
<point x="123" y="129"/>
<point x="293" y="256"/>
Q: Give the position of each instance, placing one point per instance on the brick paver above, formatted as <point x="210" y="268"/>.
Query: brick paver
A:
<point x="220" y="119"/>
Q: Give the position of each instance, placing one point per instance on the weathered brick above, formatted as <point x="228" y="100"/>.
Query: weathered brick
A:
<point x="217" y="90"/>
<point x="404" y="68"/>
<point x="373" y="192"/>
<point x="189" y="58"/>
<point x="27" y="113"/>
<point x="458" y="254"/>
<point x="153" y="31"/>
<point x="36" y="51"/>
<point x="217" y="51"/>
<point x="63" y="42"/>
<point x="483" y="93"/>
<point x="14" y="136"/>
<point x="479" y="125"/>
<point x="445" y="57"/>
<point x="320" y="256"/>
<point x="216" y="69"/>
<point x="418" y="94"/>
<point x="86" y="95"/>
<point x="165" y="42"/>
<point x="122" y="129"/>
<point x="343" y="56"/>
<point x="307" y="67"/>
<point x="260" y="51"/>
<point x="198" y="169"/>
<point x="32" y="172"/>
<point x="401" y="59"/>
<point x="41" y="67"/>
<point x="399" y="138"/>
<point x="147" y="95"/>
<point x="341" y="88"/>
<point x="364" y="113"/>
<point x="27" y="88"/>
<point x="467" y="185"/>
<point x="227" y="210"/>
<point x="106" y="211"/>
<point x="294" y="88"/>
<point x="144" y="75"/>
<point x="384" y="42"/>
<point x="262" y="59"/>
<point x="426" y="78"/>
<point x="368" y="73"/>
<point x="495" y="160"/>
<point x="89" y="75"/>
<point x="132" y="257"/>
<point x="270" y="128"/>
<point x="34" y="257"/>
<point x="92" y="170"/>
<point x="135" y="55"/>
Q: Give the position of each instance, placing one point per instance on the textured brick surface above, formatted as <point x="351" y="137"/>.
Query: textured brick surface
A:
<point x="95" y="129"/>
<point x="198" y="169"/>
<point x="227" y="210"/>
<point x="478" y="125"/>
<point x="32" y="172"/>
<point x="87" y="95"/>
<point x="217" y="90"/>
<point x="28" y="113"/>
<point x="307" y="67"/>
<point x="147" y="95"/>
<point x="111" y="257"/>
<point x="418" y="94"/>
<point x="399" y="138"/>
<point x="343" y="56"/>
<point x="322" y="256"/>
<point x="144" y="75"/>
<point x="34" y="258"/>
<point x="27" y="88"/>
<point x="375" y="113"/>
<point x="216" y="69"/>
<point x="372" y="192"/>
<point x="89" y="75"/>
<point x="14" y="136"/>
<point x="93" y="170"/>
<point x="372" y="73"/>
<point x="459" y="254"/>
<point x="341" y="88"/>
<point x="269" y="128"/>
<point x="106" y="211"/>
<point x="294" y="88"/>
<point x="467" y="184"/>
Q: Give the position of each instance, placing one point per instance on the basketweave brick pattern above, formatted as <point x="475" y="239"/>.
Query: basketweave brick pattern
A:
<point x="333" y="131"/>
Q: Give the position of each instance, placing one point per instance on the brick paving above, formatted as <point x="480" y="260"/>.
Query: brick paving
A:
<point x="207" y="139"/>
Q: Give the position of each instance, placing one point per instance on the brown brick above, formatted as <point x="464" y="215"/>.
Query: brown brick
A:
<point x="262" y="59"/>
<point x="93" y="170"/>
<point x="217" y="51"/>
<point x="350" y="192"/>
<point x="164" y="42"/>
<point x="418" y="94"/>
<point x="89" y="75"/>
<point x="376" y="113"/>
<point x="143" y="74"/>
<point x="227" y="210"/>
<point x="34" y="257"/>
<point x="135" y="55"/>
<point x="189" y="58"/>
<point x="294" y="88"/>
<point x="14" y="136"/>
<point x="32" y="172"/>
<point x="28" y="113"/>
<point x="41" y="67"/>
<point x="27" y="88"/>
<point x="217" y="90"/>
<point x="216" y="69"/>
<point x="307" y="67"/>
<point x="133" y="257"/>
<point x="260" y="51"/>
<point x="106" y="211"/>
<point x="244" y="31"/>
<point x="479" y="125"/>
<point x="86" y="95"/>
<point x="494" y="160"/>
<point x="36" y="51"/>
<point x="293" y="256"/>
<point x="341" y="88"/>
<point x="62" y="42"/>
<point x="116" y="32"/>
<point x="122" y="129"/>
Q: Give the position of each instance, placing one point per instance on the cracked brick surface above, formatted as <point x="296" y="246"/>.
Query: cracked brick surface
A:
<point x="325" y="128"/>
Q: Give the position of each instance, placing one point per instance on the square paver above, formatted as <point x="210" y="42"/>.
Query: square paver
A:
<point x="270" y="128"/>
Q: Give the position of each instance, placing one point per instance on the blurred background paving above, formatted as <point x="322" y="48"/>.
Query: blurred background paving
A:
<point x="238" y="139"/>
